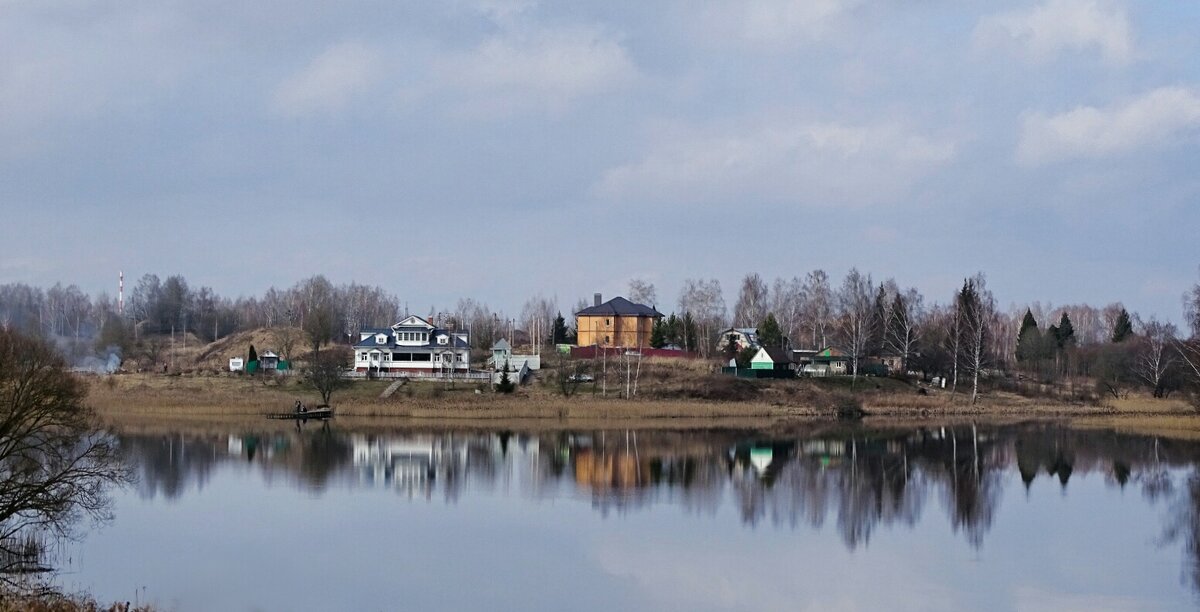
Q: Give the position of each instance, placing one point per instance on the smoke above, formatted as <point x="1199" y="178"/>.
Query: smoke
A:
<point x="106" y="363"/>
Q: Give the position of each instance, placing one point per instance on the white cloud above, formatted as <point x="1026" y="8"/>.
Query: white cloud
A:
<point x="1045" y="30"/>
<point x="542" y="69"/>
<point x="770" y="23"/>
<point x="1152" y="120"/>
<point x="782" y="161"/>
<point x="329" y="82"/>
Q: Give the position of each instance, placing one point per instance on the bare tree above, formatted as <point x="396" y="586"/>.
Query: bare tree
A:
<point x="855" y="304"/>
<point x="318" y="312"/>
<point x="817" y="307"/>
<point x="704" y="301"/>
<point x="642" y="291"/>
<point x="977" y="307"/>
<point x="787" y="303"/>
<point x="57" y="465"/>
<point x="1156" y="355"/>
<point x="751" y="306"/>
<point x="1191" y="309"/>
<point x="537" y="317"/>
<point x="324" y="373"/>
<point x="905" y="325"/>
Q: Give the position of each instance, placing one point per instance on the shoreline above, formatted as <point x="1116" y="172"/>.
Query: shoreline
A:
<point x="141" y="400"/>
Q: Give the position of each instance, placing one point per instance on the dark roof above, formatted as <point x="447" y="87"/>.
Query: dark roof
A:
<point x="455" y="342"/>
<point x="777" y="354"/>
<point x="620" y="307"/>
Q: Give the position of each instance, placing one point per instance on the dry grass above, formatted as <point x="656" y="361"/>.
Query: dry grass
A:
<point x="665" y="392"/>
<point x="55" y="602"/>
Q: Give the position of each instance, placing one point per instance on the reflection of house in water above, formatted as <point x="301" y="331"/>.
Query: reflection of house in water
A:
<point x="411" y="465"/>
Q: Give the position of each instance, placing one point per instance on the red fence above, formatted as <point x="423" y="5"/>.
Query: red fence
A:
<point x="589" y="352"/>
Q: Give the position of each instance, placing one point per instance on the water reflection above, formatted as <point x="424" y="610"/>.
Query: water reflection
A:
<point x="854" y="480"/>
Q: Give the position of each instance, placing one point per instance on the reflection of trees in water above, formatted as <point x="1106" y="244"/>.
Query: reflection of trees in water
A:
<point x="55" y="467"/>
<point x="855" y="479"/>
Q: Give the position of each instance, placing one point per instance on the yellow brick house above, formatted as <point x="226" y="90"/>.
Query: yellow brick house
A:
<point x="616" y="323"/>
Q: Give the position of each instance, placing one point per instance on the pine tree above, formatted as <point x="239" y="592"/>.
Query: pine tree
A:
<point x="658" y="334"/>
<point x="1123" y="328"/>
<point x="253" y="354"/>
<point x="1065" y="333"/>
<point x="558" y="331"/>
<point x="1029" y="339"/>
<point x="769" y="332"/>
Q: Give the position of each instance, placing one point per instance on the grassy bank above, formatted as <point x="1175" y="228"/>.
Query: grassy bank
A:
<point x="665" y="392"/>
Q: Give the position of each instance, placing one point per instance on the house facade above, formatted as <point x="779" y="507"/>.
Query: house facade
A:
<point x="744" y="337"/>
<point x="771" y="358"/>
<point x="415" y="346"/>
<point x="616" y="323"/>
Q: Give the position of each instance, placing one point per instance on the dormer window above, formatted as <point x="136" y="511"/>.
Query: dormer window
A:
<point x="381" y="338"/>
<point x="442" y="339"/>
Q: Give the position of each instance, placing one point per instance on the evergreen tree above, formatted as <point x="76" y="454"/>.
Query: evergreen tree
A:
<point x="558" y="331"/>
<point x="671" y="331"/>
<point x="1029" y="339"/>
<point x="690" y="332"/>
<point x="506" y="384"/>
<point x="658" y="334"/>
<point x="1065" y="333"/>
<point x="769" y="332"/>
<point x="1123" y="328"/>
<point x="253" y="354"/>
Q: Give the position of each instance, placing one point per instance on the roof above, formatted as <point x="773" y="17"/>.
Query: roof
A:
<point x="619" y="307"/>
<point x="777" y="354"/>
<point x="502" y="345"/>
<point x="390" y="341"/>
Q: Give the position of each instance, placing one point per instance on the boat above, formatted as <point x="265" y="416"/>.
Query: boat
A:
<point x="324" y="411"/>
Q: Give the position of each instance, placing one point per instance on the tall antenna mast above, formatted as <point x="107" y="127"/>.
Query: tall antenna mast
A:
<point x="121" y="292"/>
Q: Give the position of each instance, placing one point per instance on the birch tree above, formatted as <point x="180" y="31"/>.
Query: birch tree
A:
<point x="704" y="301"/>
<point x="855" y="305"/>
<point x="751" y="306"/>
<point x="1156" y="355"/>
<point x="817" y="307"/>
<point x="642" y="291"/>
<point x="977" y="309"/>
<point x="905" y="325"/>
<point x="787" y="304"/>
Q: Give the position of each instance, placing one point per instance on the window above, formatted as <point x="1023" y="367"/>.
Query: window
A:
<point x="421" y="357"/>
<point x="362" y="356"/>
<point x="442" y="339"/>
<point x="608" y="322"/>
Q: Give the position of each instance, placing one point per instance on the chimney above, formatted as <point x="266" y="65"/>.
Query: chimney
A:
<point x="596" y="298"/>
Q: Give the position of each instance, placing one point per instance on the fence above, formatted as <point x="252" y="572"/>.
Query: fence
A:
<point x="482" y="376"/>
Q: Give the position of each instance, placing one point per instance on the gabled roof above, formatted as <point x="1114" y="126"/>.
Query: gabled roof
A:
<point x="502" y="345"/>
<point x="776" y="354"/>
<point x="413" y="321"/>
<point x="619" y="307"/>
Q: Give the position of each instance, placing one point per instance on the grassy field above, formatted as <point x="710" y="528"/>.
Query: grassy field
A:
<point x="668" y="390"/>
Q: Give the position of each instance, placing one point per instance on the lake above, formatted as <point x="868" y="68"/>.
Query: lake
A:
<point x="811" y="516"/>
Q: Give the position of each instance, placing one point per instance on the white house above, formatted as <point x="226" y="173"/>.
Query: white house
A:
<point x="745" y="337"/>
<point x="413" y="346"/>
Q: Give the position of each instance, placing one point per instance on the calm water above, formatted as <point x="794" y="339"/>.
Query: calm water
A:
<point x="1026" y="517"/>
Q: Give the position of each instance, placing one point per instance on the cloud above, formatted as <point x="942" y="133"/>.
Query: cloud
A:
<point x="538" y="69"/>
<point x="329" y="82"/>
<point x="780" y="161"/>
<point x="1154" y="119"/>
<point x="769" y="23"/>
<point x="1047" y="29"/>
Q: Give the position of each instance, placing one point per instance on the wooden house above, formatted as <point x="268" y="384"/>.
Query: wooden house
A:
<point x="616" y="323"/>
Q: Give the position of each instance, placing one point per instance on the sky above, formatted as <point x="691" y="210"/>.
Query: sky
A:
<point x="499" y="149"/>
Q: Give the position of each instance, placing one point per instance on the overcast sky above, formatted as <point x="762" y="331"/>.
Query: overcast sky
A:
<point x="497" y="149"/>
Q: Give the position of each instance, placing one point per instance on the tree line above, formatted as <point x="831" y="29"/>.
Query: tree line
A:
<point x="960" y="338"/>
